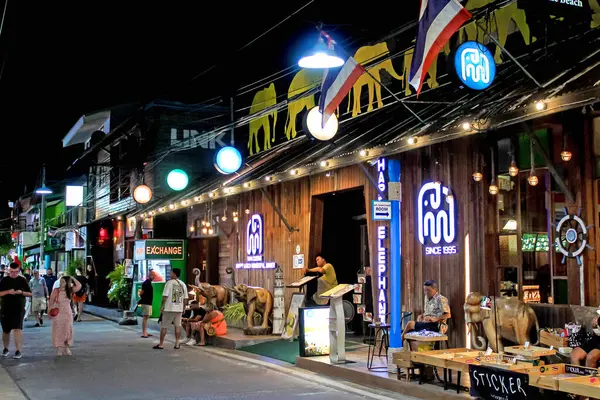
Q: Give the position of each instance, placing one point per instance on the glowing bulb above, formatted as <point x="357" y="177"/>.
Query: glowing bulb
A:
<point x="246" y="184"/>
<point x="566" y="155"/>
<point x="235" y="218"/>
<point x="493" y="189"/>
<point x="211" y="194"/>
<point x="247" y="211"/>
<point x="184" y="203"/>
<point x="466" y="126"/>
<point x="142" y="194"/>
<point x="513" y="170"/>
<point x="412" y="140"/>
<point x="162" y="209"/>
<point x="226" y="190"/>
<point x="328" y="174"/>
<point x="477" y="176"/>
<point x="151" y="212"/>
<point x="211" y="231"/>
<point x="533" y="180"/>
<point x="204" y="231"/>
<point x="540" y="105"/>
<point x="324" y="163"/>
<point x="268" y="179"/>
<point x="294" y="172"/>
<point x="363" y="153"/>
<point x="171" y="206"/>
<point x="192" y="229"/>
<point x="224" y="218"/>
<point x="197" y="198"/>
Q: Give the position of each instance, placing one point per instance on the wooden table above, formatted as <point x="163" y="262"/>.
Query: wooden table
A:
<point x="586" y="386"/>
<point x="425" y="339"/>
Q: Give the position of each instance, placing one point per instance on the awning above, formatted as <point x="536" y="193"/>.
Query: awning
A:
<point x="82" y="131"/>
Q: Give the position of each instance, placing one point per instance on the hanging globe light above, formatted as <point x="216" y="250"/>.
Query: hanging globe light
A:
<point x="177" y="179"/>
<point x="566" y="155"/>
<point x="477" y="176"/>
<point x="313" y="123"/>
<point x="142" y="194"/>
<point x="493" y="189"/>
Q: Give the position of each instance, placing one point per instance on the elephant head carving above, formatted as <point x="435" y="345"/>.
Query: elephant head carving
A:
<point x="217" y="295"/>
<point x="370" y="55"/>
<point x="255" y="299"/>
<point x="304" y="81"/>
<point x="506" y="318"/>
<point x="263" y="100"/>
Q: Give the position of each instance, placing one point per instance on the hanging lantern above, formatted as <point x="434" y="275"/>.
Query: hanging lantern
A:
<point x="204" y="230"/>
<point x="566" y="155"/>
<point x="532" y="179"/>
<point x="513" y="170"/>
<point x="477" y="176"/>
<point x="493" y="189"/>
<point x="142" y="194"/>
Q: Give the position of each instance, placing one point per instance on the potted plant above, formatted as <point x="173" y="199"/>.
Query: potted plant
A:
<point x="120" y="289"/>
<point x="235" y="315"/>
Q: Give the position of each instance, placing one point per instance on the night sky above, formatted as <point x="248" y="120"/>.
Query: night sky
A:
<point x="62" y="61"/>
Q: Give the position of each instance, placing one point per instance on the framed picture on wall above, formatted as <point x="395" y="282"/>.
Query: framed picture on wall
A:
<point x="358" y="288"/>
<point x="357" y="298"/>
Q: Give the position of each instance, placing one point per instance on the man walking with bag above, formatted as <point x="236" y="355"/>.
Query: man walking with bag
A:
<point x="174" y="300"/>
<point x="39" y="297"/>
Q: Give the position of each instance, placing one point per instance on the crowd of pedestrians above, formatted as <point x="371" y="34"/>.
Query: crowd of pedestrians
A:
<point x="22" y="294"/>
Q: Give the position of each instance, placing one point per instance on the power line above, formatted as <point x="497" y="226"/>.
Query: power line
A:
<point x="3" y="17"/>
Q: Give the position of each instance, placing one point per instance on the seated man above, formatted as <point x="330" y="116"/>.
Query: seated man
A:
<point x="588" y="352"/>
<point x="212" y="324"/>
<point x="195" y="315"/>
<point x="435" y="311"/>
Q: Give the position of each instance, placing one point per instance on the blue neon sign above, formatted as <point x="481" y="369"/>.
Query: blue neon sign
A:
<point x="475" y="66"/>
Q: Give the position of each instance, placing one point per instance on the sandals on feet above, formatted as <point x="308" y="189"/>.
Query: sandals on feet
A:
<point x="157" y="347"/>
<point x="177" y="347"/>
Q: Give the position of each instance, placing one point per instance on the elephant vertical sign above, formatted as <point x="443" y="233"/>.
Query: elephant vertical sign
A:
<point x="500" y="384"/>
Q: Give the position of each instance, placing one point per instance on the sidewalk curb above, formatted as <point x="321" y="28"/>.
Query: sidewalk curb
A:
<point x="10" y="388"/>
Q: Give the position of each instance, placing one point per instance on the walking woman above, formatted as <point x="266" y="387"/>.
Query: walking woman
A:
<point x="62" y="321"/>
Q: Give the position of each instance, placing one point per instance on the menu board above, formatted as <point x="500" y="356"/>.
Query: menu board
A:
<point x="314" y="331"/>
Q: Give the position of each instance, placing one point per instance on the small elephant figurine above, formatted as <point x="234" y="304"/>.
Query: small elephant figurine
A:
<point x="217" y="295"/>
<point x="513" y="321"/>
<point x="255" y="299"/>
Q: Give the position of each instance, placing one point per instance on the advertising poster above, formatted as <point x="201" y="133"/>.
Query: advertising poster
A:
<point x="291" y="322"/>
<point x="314" y="331"/>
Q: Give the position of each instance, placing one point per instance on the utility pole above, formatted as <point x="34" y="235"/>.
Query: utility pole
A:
<point x="42" y="218"/>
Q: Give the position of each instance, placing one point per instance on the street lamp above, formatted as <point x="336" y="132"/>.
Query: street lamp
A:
<point x="322" y="56"/>
<point x="43" y="191"/>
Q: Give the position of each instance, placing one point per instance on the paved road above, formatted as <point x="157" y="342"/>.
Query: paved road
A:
<point x="113" y="362"/>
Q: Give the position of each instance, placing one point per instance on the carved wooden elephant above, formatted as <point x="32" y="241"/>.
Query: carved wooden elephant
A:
<point x="255" y="299"/>
<point x="217" y="295"/>
<point x="513" y="321"/>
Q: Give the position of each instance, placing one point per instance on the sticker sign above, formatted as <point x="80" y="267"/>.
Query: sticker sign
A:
<point x="475" y="66"/>
<point x="382" y="210"/>
<point x="436" y="219"/>
<point x="494" y="383"/>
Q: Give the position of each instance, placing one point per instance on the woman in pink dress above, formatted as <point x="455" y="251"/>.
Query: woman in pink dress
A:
<point x="62" y="324"/>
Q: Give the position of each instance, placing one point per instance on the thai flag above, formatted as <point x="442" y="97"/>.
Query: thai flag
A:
<point x="337" y="83"/>
<point x="438" y="21"/>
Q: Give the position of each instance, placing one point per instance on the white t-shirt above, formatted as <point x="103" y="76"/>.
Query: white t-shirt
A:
<point x="175" y="291"/>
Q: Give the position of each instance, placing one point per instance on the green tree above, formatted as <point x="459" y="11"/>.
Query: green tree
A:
<point x="6" y="244"/>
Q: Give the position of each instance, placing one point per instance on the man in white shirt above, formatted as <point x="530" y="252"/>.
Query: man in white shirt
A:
<point x="174" y="300"/>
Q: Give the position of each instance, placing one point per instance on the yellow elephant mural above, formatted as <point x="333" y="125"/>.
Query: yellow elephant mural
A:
<point x="303" y="81"/>
<point x="432" y="79"/>
<point x="263" y="99"/>
<point x="595" y="7"/>
<point x="500" y="24"/>
<point x="366" y="55"/>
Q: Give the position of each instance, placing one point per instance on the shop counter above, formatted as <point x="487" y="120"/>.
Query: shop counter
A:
<point x="586" y="386"/>
<point x="530" y="352"/>
<point x="549" y="376"/>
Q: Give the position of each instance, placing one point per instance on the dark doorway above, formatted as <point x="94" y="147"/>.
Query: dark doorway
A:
<point x="343" y="219"/>
<point x="203" y="254"/>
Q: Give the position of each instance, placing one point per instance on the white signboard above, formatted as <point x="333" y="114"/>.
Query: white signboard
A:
<point x="74" y="196"/>
<point x="298" y="261"/>
<point x="436" y="220"/>
<point x="382" y="210"/>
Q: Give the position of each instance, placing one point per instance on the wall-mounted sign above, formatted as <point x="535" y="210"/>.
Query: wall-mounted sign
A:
<point x="381" y="183"/>
<point x="475" y="66"/>
<point x="74" y="196"/>
<point x="157" y="249"/>
<point x="436" y="219"/>
<point x="191" y="138"/>
<point x="298" y="261"/>
<point x="382" y="272"/>
<point x="382" y="210"/>
<point x="255" y="238"/>
<point x="574" y="3"/>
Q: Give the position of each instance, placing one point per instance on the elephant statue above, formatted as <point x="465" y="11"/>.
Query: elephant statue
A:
<point x="263" y="99"/>
<point x="513" y="321"/>
<point x="255" y="299"/>
<point x="217" y="295"/>
<point x="304" y="81"/>
<point x="503" y="18"/>
<point x="368" y="55"/>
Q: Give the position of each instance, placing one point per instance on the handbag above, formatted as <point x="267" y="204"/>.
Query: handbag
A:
<point x="53" y="312"/>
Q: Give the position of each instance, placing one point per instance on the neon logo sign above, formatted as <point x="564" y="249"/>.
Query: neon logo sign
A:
<point x="475" y="65"/>
<point x="381" y="184"/>
<point x="381" y="272"/>
<point x="255" y="238"/>
<point x="436" y="219"/>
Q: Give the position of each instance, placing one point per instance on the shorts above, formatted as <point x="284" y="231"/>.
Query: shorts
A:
<point x="38" y="304"/>
<point x="592" y="344"/>
<point x="195" y="326"/>
<point x="12" y="321"/>
<point x="427" y="326"/>
<point x="170" y="317"/>
<point x="79" y="299"/>
<point x="146" y="310"/>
